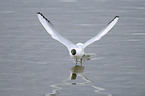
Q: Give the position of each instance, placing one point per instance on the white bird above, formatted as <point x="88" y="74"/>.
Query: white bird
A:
<point x="76" y="51"/>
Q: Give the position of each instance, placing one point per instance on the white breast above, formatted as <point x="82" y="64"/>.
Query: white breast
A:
<point x="79" y="51"/>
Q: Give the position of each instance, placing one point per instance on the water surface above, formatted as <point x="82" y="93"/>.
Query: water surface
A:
<point x="33" y="64"/>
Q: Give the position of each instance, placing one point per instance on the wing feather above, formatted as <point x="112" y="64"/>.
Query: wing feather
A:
<point x="54" y="34"/>
<point x="103" y="32"/>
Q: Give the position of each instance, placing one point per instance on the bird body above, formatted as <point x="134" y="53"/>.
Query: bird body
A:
<point x="79" y="51"/>
<point x="76" y="51"/>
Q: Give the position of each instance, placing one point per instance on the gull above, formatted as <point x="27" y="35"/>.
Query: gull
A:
<point x="76" y="51"/>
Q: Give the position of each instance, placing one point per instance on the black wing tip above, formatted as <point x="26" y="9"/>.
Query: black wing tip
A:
<point x="39" y="13"/>
<point x="116" y="16"/>
<point x="113" y="19"/>
<point x="44" y="17"/>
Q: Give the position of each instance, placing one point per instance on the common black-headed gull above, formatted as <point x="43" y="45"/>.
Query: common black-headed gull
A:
<point x="76" y="51"/>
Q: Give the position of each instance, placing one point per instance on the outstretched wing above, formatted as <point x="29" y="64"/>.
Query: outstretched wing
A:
<point x="54" y="34"/>
<point x="103" y="32"/>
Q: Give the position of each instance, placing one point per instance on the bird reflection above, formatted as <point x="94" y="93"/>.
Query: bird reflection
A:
<point x="77" y="70"/>
<point x="76" y="77"/>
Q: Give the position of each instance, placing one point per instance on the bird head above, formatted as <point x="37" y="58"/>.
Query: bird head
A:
<point x="73" y="51"/>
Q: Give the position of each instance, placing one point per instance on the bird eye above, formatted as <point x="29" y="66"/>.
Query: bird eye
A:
<point x="73" y="51"/>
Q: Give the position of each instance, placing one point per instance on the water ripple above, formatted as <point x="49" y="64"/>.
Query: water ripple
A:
<point x="6" y="12"/>
<point x="77" y="81"/>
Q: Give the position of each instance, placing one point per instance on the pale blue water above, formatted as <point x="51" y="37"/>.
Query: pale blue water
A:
<point x="33" y="64"/>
